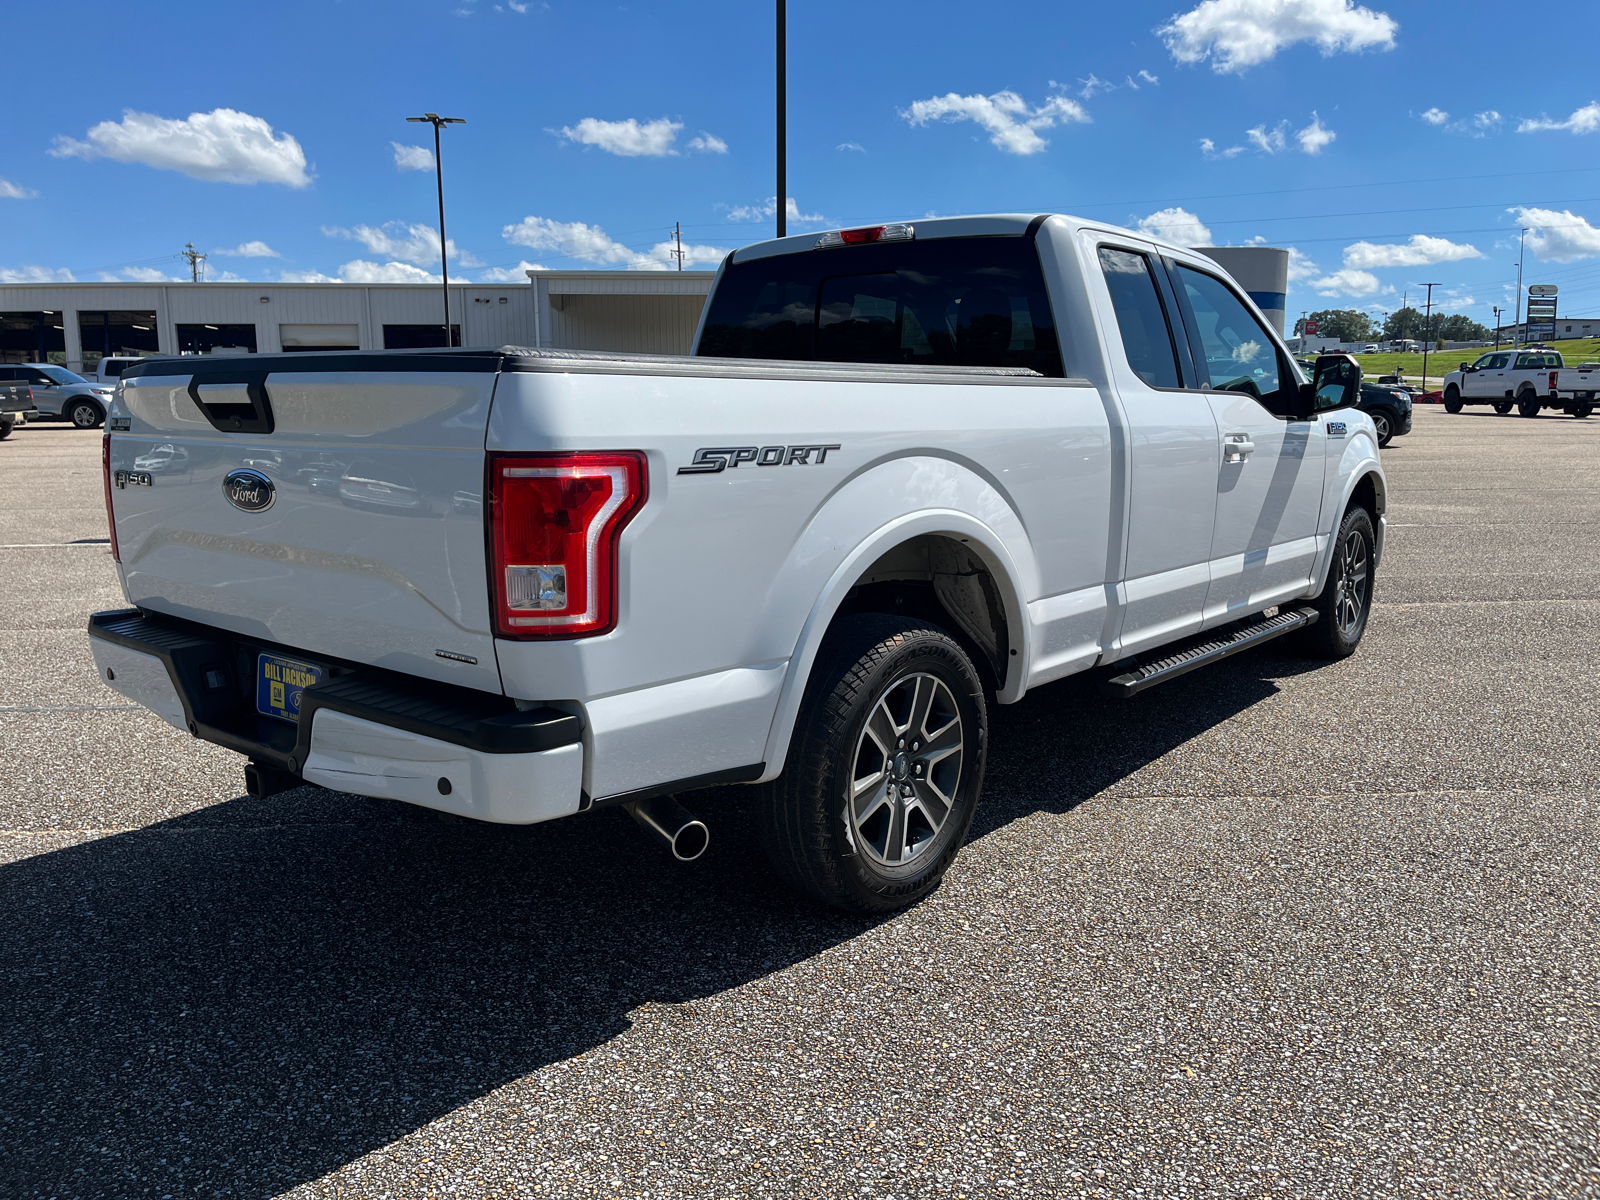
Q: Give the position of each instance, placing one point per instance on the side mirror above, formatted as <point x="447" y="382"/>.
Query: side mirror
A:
<point x="1465" y="367"/>
<point x="1337" y="382"/>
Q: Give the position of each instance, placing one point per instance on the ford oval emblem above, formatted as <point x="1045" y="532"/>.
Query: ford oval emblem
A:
<point x="249" y="490"/>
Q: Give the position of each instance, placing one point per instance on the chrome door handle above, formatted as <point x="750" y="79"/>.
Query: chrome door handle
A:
<point x="1237" y="447"/>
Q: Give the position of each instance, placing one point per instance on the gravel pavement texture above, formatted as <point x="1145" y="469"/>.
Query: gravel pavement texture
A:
<point x="1278" y="928"/>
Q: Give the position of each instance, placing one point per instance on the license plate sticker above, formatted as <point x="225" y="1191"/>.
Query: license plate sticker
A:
<point x="280" y="683"/>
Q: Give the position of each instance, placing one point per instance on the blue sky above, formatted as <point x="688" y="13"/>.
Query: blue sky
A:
<point x="1387" y="146"/>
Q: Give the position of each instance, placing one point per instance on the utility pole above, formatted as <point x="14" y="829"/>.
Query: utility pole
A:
<point x="1516" y="334"/>
<point x="677" y="239"/>
<point x="195" y="259"/>
<point x="438" y="123"/>
<point x="1497" y="327"/>
<point x="1427" y="336"/>
<point x="783" y="119"/>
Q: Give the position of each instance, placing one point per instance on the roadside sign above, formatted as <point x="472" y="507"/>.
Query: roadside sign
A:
<point x="1541" y="312"/>
<point x="1542" y="289"/>
<point x="1311" y="329"/>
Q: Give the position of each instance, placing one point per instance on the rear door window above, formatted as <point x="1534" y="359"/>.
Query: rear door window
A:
<point x="1146" y="332"/>
<point x="942" y="302"/>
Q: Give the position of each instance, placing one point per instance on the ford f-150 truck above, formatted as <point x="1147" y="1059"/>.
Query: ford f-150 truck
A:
<point x="908" y="472"/>
<point x="1529" y="379"/>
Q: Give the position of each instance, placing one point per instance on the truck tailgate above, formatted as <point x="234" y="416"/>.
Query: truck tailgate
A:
<point x="331" y="504"/>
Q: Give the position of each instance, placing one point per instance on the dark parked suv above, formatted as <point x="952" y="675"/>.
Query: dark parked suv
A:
<point x="1389" y="408"/>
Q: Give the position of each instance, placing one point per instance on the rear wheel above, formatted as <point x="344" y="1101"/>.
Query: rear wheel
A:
<point x="1528" y="404"/>
<point x="1502" y="407"/>
<point x="885" y="767"/>
<point x="84" y="414"/>
<point x="1383" y="423"/>
<point x="1452" y="399"/>
<point x="7" y="422"/>
<point x="1582" y="410"/>
<point x="1346" y="598"/>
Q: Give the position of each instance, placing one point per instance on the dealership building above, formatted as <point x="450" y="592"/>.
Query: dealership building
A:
<point x="77" y="324"/>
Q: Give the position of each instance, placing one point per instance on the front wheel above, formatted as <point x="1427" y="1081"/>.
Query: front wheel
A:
<point x="1346" y="598"/>
<point x="1384" y="425"/>
<point x="84" y="414"/>
<point x="885" y="768"/>
<point x="1452" y="399"/>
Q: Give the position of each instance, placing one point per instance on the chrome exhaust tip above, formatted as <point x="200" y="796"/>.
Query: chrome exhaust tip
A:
<point x="669" y="822"/>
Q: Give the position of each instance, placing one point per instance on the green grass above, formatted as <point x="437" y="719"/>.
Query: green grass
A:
<point x="1573" y="350"/>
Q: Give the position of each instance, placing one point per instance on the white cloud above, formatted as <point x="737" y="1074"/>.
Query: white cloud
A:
<point x="628" y="139"/>
<point x="768" y="209"/>
<point x="1238" y="34"/>
<point x="1011" y="124"/>
<point x="408" y="242"/>
<point x="1314" y="136"/>
<point x="516" y="274"/>
<point x="249" y="250"/>
<point x="362" y="271"/>
<point x="1301" y="267"/>
<point x="1268" y="141"/>
<point x="307" y="277"/>
<point x="15" y="191"/>
<point x="1487" y="120"/>
<point x="412" y="158"/>
<point x="856" y="146"/>
<point x="1208" y="149"/>
<point x="1436" y="116"/>
<point x="590" y="243"/>
<point x="1176" y="225"/>
<point x="1584" y="120"/>
<point x="1094" y="84"/>
<point x="517" y="7"/>
<point x="1558" y="236"/>
<point x="1348" y="282"/>
<point x="1420" y="251"/>
<point x="150" y="275"/>
<point x="708" y="143"/>
<point x="36" y="275"/>
<point x="1149" y="78"/>
<point x="221" y="146"/>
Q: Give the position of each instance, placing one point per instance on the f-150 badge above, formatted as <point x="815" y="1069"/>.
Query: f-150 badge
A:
<point x="708" y="460"/>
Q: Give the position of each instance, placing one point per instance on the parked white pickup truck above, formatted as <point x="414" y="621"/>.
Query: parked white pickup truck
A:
<point x="1529" y="379"/>
<point x="909" y="472"/>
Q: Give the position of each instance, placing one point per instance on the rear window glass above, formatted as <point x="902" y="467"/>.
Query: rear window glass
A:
<point x="948" y="301"/>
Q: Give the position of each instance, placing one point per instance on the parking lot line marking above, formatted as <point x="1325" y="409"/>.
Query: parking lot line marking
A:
<point x="44" y="708"/>
<point x="59" y="545"/>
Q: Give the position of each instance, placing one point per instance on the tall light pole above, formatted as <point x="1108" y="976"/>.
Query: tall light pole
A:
<point x="1427" y="337"/>
<point x="783" y="119"/>
<point x="1516" y="334"/>
<point x="438" y="123"/>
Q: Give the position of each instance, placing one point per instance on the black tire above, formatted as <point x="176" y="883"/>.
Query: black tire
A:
<point x="1528" y="403"/>
<point x="1503" y="406"/>
<point x="1384" y="422"/>
<point x="7" y="423"/>
<point x="1343" y="611"/>
<point x="84" y="414"/>
<point x="876" y="670"/>
<point x="1581" y="411"/>
<point x="1452" y="399"/>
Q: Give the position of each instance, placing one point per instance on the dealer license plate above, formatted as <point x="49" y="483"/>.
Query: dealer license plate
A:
<point x="280" y="682"/>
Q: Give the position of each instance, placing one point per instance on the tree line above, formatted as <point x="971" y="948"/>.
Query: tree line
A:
<point x="1352" y="325"/>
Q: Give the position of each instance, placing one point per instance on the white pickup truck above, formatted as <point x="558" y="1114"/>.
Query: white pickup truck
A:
<point x="1529" y="379"/>
<point x="909" y="472"/>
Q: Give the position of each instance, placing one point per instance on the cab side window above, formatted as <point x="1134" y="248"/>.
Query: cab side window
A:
<point x="1146" y="332"/>
<point x="1238" y="354"/>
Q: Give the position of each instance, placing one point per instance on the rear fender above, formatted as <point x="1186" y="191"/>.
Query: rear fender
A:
<point x="861" y="516"/>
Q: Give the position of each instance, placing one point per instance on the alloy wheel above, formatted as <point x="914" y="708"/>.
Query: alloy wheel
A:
<point x="1350" y="598"/>
<point x="906" y="770"/>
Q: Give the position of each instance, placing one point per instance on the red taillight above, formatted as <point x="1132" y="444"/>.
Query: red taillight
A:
<point x="854" y="237"/>
<point x="554" y="521"/>
<point x="105" y="473"/>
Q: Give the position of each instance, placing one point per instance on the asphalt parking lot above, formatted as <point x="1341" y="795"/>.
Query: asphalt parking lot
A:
<point x="1277" y="928"/>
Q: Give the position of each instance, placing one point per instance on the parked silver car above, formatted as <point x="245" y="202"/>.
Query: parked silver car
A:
<point x="60" y="393"/>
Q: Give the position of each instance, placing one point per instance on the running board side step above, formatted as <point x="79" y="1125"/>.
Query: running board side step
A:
<point x="1203" y="654"/>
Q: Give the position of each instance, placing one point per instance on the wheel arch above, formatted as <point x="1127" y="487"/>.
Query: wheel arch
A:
<point x="1366" y="486"/>
<point x="891" y="552"/>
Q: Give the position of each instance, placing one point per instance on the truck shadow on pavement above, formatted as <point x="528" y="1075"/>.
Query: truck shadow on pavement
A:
<point x="242" y="999"/>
